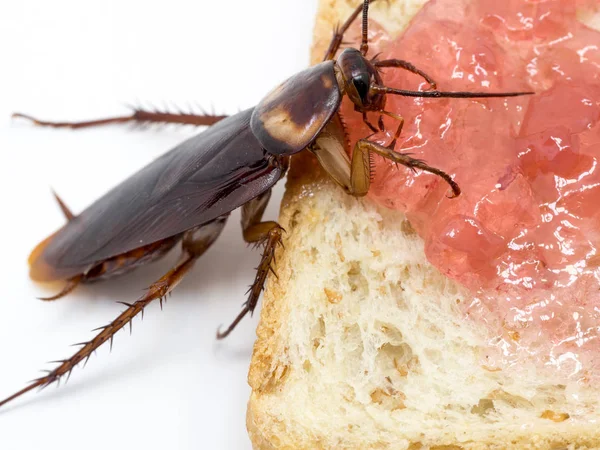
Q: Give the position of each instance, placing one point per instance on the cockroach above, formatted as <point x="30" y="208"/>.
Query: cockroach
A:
<point x="185" y="196"/>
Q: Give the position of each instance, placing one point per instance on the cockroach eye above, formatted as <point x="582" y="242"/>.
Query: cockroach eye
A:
<point x="361" y="84"/>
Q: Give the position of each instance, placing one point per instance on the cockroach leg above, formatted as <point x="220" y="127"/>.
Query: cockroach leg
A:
<point x="195" y="243"/>
<point x="63" y="207"/>
<point x="355" y="176"/>
<point x="69" y="287"/>
<point x="380" y="124"/>
<point x="271" y="234"/>
<point x="399" y="63"/>
<point x="257" y="232"/>
<point x="137" y="116"/>
<point x="253" y="230"/>
<point x="364" y="146"/>
<point x="330" y="149"/>
<point x="368" y="123"/>
<point x="338" y="32"/>
<point x="398" y="132"/>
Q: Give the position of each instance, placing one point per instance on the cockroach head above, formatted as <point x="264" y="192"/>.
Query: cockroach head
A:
<point x="356" y="75"/>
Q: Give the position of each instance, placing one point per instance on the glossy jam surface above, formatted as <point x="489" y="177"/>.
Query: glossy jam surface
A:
<point x="524" y="235"/>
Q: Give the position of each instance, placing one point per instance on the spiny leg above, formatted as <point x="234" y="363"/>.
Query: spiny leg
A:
<point x="257" y="232"/>
<point x="195" y="243"/>
<point x="138" y="115"/>
<point x="355" y="175"/>
<point x="364" y="147"/>
<point x="338" y="32"/>
<point x="399" y="63"/>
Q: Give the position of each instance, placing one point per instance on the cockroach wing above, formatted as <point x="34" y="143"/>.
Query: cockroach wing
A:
<point x="291" y="116"/>
<point x="199" y="180"/>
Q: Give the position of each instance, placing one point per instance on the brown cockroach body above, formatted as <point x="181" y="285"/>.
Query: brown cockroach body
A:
<point x="186" y="195"/>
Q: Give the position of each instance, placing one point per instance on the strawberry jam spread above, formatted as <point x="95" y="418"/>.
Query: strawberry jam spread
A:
<point x="524" y="235"/>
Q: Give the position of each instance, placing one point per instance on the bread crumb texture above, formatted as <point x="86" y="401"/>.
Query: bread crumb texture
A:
<point x="361" y="344"/>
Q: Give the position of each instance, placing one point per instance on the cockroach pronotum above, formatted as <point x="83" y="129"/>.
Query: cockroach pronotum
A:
<point x="185" y="196"/>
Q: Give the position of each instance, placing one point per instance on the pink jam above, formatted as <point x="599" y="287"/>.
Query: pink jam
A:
<point x="524" y="235"/>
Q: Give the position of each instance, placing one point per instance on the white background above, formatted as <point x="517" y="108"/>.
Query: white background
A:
<point x="170" y="385"/>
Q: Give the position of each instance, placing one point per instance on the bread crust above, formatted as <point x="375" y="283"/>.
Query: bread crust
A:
<point x="270" y="366"/>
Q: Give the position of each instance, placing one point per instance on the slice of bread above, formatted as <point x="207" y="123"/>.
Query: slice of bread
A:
<point x="361" y="343"/>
